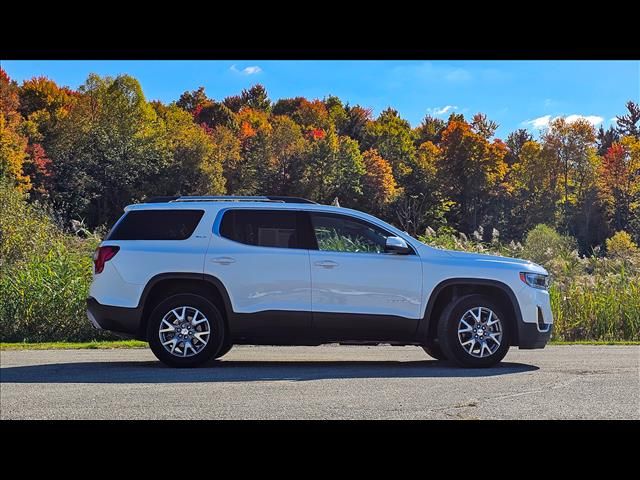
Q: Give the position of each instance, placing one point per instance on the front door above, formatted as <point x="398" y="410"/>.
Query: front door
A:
<point x="360" y="292"/>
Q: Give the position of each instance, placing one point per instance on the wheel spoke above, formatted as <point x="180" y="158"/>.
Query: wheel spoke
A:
<point x="171" y="327"/>
<point x="199" y="336"/>
<point x="193" y="320"/>
<point x="469" y="327"/>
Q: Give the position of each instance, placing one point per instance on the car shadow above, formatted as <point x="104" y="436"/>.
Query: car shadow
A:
<point x="245" y="371"/>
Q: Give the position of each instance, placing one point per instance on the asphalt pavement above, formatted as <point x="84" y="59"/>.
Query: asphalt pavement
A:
<point x="327" y="382"/>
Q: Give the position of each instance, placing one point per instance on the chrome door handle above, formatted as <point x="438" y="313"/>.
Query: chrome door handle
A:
<point x="326" y="264"/>
<point x="223" y="260"/>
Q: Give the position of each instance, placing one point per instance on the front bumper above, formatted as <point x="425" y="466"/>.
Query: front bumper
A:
<point x="120" y="320"/>
<point x="530" y="336"/>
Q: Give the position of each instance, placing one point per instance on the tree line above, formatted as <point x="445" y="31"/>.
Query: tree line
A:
<point x="91" y="151"/>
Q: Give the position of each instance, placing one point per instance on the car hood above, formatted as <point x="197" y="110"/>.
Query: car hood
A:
<point x="496" y="260"/>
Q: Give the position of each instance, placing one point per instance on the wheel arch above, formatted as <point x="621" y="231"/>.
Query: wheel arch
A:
<point x="167" y="284"/>
<point x="452" y="288"/>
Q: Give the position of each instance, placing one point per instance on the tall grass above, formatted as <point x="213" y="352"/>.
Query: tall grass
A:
<point x="44" y="275"/>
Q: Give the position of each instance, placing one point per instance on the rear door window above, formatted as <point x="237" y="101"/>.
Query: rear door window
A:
<point x="264" y="228"/>
<point x="175" y="224"/>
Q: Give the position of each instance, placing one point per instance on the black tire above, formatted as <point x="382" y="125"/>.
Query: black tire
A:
<point x="448" y="332"/>
<point x="216" y="338"/>
<point x="433" y="350"/>
<point x="225" y="349"/>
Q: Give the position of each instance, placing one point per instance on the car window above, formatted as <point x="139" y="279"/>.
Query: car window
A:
<point x="338" y="233"/>
<point x="175" y="224"/>
<point x="264" y="228"/>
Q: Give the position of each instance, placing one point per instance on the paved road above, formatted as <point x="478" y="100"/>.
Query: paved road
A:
<point x="328" y="382"/>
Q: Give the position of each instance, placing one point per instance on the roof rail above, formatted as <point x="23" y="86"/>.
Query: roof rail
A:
<point x="228" y="198"/>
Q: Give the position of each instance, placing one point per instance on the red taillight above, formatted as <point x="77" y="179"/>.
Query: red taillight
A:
<point x="103" y="255"/>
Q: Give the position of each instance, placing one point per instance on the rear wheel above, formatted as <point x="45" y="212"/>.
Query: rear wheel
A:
<point x="473" y="332"/>
<point x="186" y="330"/>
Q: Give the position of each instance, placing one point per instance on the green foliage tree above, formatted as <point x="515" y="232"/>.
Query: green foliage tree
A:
<point x="256" y="98"/>
<point x="109" y="150"/>
<point x="392" y="137"/>
<point x="629" y="124"/>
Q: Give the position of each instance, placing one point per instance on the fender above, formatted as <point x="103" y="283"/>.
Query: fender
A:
<point x="187" y="276"/>
<point x="423" y="326"/>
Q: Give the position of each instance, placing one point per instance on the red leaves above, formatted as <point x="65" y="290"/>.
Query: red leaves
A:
<point x="41" y="162"/>
<point x="317" y="133"/>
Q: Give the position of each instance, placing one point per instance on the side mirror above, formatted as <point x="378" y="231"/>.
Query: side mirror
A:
<point x="396" y="245"/>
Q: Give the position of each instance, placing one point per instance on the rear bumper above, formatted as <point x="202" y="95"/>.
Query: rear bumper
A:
<point x="529" y="335"/>
<point x="120" y="320"/>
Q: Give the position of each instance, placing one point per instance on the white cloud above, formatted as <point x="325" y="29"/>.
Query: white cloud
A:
<point x="252" y="70"/>
<point x="539" y="123"/>
<point x="441" y="110"/>
<point x="543" y="122"/>
<point x="592" y="119"/>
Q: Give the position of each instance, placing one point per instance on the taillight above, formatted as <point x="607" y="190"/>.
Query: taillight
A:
<point x="103" y="255"/>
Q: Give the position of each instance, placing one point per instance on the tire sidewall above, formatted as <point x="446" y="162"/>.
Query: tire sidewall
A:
<point x="216" y="323"/>
<point x="448" y="332"/>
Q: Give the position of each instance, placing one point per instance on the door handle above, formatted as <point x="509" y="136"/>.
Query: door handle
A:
<point x="326" y="264"/>
<point x="223" y="260"/>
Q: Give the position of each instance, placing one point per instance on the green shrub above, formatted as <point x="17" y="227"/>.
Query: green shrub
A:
<point x="543" y="244"/>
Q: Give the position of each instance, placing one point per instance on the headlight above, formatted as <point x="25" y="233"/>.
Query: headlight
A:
<point x="535" y="280"/>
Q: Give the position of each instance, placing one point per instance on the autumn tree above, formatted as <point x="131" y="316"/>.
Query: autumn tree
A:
<point x="619" y="182"/>
<point x="420" y="203"/>
<point x="356" y="122"/>
<point x="378" y="184"/>
<point x="570" y="151"/>
<point x="286" y="164"/>
<point x="227" y="152"/>
<point x="13" y="145"/>
<point x="190" y="101"/>
<point x="534" y="191"/>
<point x="471" y="170"/>
<point x="192" y="169"/>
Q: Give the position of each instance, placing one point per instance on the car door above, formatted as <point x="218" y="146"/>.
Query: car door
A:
<point x="259" y="256"/>
<point x="359" y="291"/>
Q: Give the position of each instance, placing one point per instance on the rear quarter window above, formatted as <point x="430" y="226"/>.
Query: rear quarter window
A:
<point x="156" y="225"/>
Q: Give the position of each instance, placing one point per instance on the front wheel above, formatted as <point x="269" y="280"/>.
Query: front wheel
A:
<point x="185" y="330"/>
<point x="474" y="332"/>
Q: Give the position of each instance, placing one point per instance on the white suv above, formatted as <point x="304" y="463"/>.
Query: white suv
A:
<point x="195" y="275"/>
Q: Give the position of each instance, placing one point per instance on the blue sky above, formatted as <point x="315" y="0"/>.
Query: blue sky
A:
<point x="515" y="94"/>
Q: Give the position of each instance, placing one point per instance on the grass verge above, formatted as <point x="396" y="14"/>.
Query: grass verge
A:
<point x="73" y="345"/>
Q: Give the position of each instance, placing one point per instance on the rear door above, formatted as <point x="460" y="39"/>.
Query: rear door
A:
<point x="261" y="257"/>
